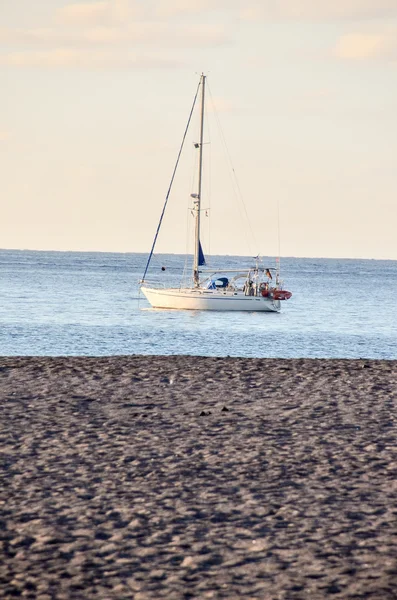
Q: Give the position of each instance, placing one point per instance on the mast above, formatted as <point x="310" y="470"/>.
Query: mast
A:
<point x="196" y="276"/>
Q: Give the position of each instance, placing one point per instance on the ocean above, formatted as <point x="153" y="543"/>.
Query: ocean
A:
<point x="88" y="304"/>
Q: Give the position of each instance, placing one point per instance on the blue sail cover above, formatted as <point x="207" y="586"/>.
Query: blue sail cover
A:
<point x="201" y="260"/>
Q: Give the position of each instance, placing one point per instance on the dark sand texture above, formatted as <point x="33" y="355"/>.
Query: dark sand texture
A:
<point x="180" y="477"/>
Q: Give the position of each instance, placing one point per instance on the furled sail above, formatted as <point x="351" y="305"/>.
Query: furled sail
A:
<point x="201" y="260"/>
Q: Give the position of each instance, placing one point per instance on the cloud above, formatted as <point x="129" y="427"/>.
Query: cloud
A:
<point x="107" y="12"/>
<point x="96" y="34"/>
<point x="156" y="34"/>
<point x="280" y="10"/>
<point x="87" y="13"/>
<point x="183" y="7"/>
<point x="69" y="58"/>
<point x="315" y="10"/>
<point x="366" y="46"/>
<point x="4" y="135"/>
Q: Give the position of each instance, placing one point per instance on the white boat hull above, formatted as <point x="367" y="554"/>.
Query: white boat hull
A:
<point x="199" y="299"/>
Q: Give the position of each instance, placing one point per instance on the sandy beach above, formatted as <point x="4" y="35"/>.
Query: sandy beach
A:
<point x="181" y="477"/>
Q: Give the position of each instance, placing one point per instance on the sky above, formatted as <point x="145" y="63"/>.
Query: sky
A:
<point x="95" y="97"/>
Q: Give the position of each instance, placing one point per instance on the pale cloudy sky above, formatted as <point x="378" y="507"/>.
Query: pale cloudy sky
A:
<point x="95" y="96"/>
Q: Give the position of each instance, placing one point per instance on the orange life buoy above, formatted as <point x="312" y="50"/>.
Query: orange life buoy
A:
<point x="282" y="295"/>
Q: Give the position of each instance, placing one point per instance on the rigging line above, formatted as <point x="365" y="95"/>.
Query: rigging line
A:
<point x="234" y="190"/>
<point x="279" y="238"/>
<point x="183" y="279"/>
<point x="194" y="163"/>
<point x="243" y="217"/>
<point x="209" y="188"/>
<point x="239" y="193"/>
<point x="251" y="235"/>
<point x="170" y="186"/>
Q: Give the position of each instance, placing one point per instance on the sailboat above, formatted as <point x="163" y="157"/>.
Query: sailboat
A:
<point x="246" y="289"/>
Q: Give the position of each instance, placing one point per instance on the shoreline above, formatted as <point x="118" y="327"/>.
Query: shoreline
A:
<point x="153" y="477"/>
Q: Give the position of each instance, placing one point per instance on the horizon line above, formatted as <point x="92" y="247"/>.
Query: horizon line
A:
<point x="184" y="254"/>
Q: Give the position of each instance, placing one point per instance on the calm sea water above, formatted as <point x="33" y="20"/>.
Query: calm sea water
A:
<point x="81" y="303"/>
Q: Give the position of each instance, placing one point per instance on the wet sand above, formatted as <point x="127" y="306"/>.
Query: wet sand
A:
<point x="180" y="477"/>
